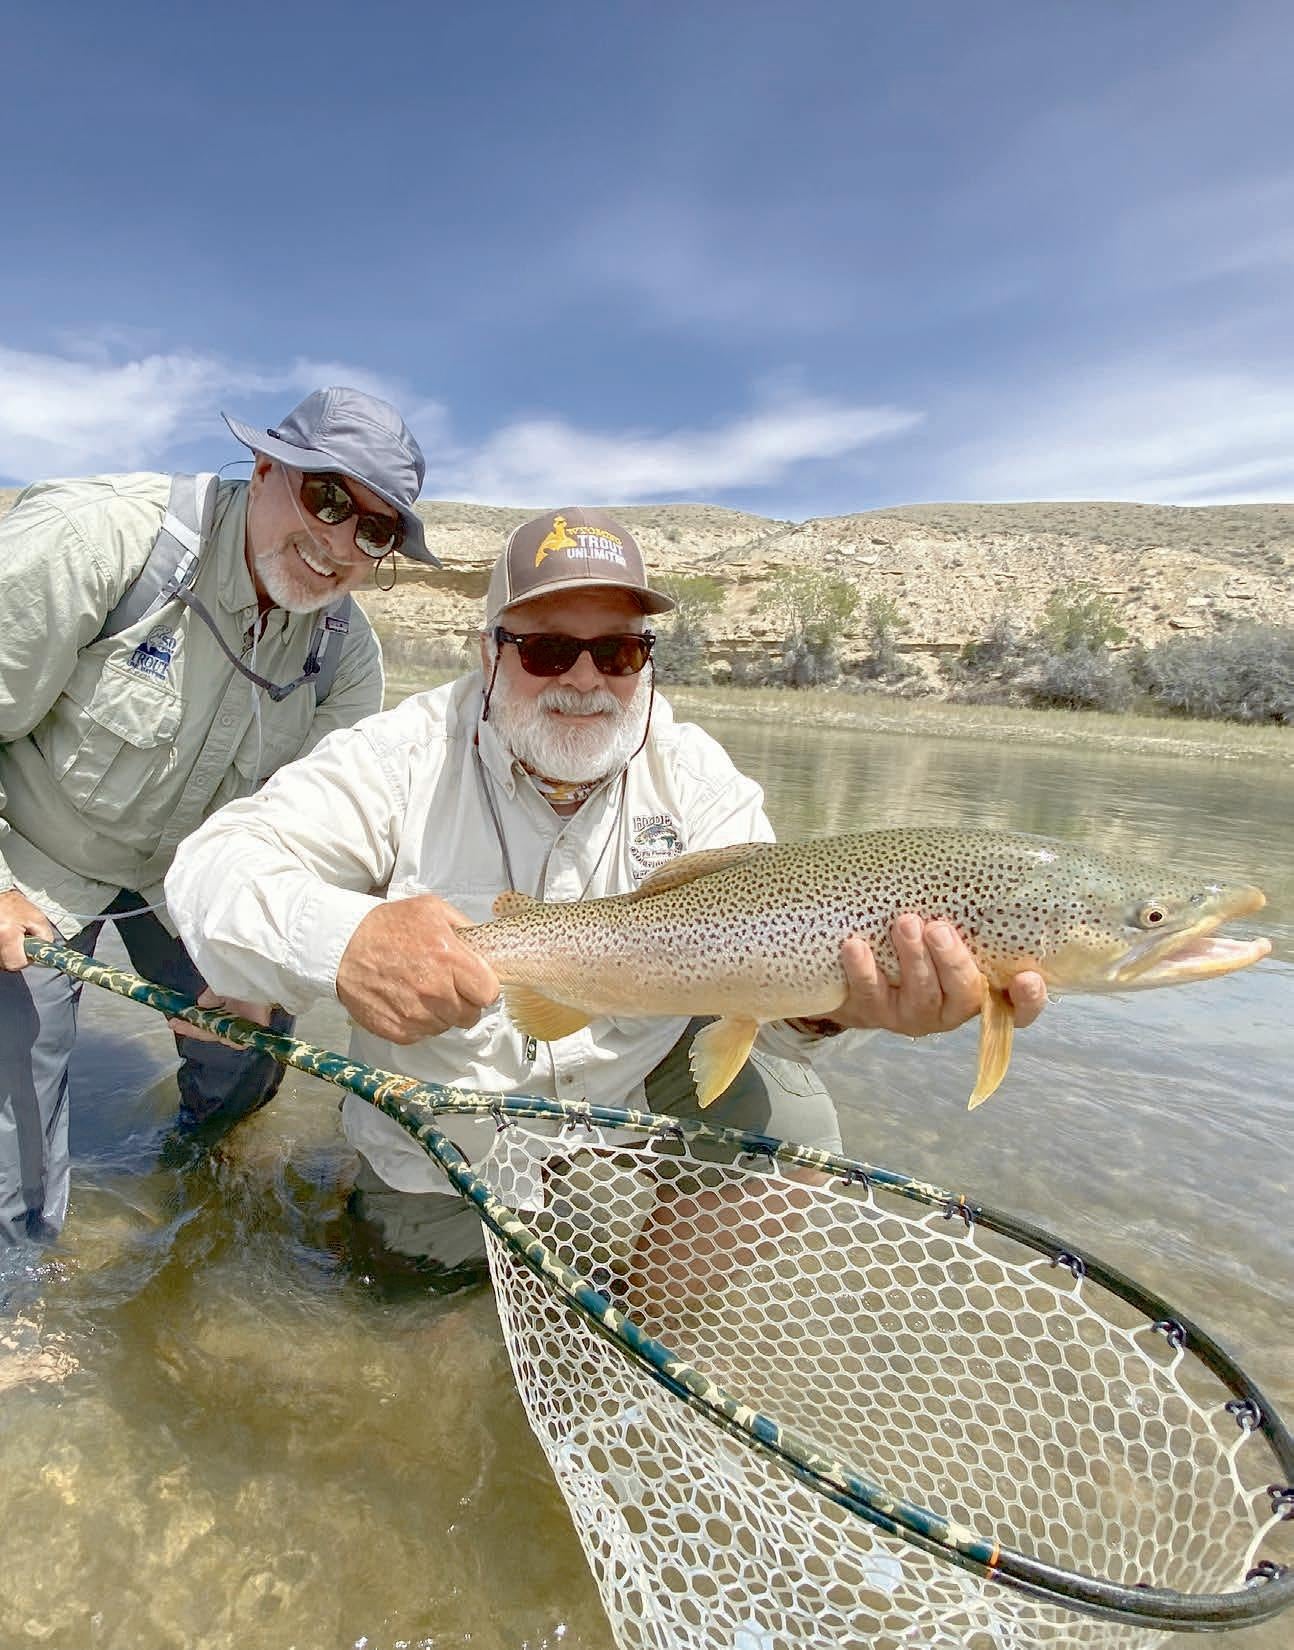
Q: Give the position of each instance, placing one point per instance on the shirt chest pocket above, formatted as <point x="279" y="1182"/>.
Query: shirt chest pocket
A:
<point x="116" y="742"/>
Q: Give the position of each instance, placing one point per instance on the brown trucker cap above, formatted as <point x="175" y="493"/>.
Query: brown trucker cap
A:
<point x="570" y="549"/>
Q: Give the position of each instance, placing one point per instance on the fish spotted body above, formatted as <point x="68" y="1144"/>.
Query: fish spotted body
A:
<point x="753" y="933"/>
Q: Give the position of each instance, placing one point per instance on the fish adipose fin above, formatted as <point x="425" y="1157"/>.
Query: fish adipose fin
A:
<point x="688" y="867"/>
<point x="719" y="1051"/>
<point x="996" y="1029"/>
<point x="513" y="904"/>
<point x="539" y="1016"/>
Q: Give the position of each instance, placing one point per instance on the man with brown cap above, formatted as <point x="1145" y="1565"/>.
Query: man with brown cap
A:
<point x="556" y="770"/>
<point x="167" y="642"/>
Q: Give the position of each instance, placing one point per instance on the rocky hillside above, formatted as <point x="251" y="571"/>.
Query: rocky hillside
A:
<point x="950" y="567"/>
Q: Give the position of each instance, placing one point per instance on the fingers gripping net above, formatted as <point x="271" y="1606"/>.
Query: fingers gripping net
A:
<point x="988" y="1390"/>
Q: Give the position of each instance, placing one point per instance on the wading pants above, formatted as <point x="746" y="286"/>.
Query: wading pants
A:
<point x="769" y="1096"/>
<point x="38" y="1008"/>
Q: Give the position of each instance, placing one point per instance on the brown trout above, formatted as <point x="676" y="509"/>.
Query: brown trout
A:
<point x="753" y="933"/>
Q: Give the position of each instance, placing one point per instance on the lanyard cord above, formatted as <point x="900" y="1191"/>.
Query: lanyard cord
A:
<point x="485" y="781"/>
<point x="275" y="690"/>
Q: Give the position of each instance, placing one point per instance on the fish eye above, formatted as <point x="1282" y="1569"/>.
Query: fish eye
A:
<point x="1151" y="916"/>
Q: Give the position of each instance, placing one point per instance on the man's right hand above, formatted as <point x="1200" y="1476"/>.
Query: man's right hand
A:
<point x="406" y="974"/>
<point x="20" y="920"/>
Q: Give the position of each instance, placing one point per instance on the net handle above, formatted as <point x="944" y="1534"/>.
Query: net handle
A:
<point x="415" y="1106"/>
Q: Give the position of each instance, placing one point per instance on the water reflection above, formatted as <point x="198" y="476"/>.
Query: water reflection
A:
<point x="219" y="1427"/>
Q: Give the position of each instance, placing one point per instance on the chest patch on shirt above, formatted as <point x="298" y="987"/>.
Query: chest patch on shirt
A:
<point x="656" y="839"/>
<point x="154" y="654"/>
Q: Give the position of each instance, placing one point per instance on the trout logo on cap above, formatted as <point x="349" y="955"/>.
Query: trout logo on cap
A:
<point x="596" y="543"/>
<point x="570" y="549"/>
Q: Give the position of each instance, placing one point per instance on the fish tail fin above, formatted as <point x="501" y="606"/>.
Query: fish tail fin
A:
<point x="513" y="904"/>
<point x="719" y="1051"/>
<point x="996" y="1030"/>
<point x="539" y="1016"/>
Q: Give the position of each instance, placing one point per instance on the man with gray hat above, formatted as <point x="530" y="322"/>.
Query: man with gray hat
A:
<point x="556" y="770"/>
<point x="166" y="644"/>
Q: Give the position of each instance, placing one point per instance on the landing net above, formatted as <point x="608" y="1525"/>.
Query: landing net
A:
<point x="993" y="1389"/>
<point x="795" y="1401"/>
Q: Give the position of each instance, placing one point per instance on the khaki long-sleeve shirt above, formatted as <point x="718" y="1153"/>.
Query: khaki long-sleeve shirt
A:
<point x="269" y="891"/>
<point x="111" y="751"/>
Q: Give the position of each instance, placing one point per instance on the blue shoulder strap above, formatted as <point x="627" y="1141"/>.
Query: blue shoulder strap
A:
<point x="326" y="644"/>
<point x="172" y="566"/>
<point x="172" y="563"/>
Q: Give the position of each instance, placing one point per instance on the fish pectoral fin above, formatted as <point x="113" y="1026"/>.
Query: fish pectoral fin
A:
<point x="719" y="1051"/>
<point x="513" y="904"/>
<point x="996" y="1030"/>
<point x="539" y="1016"/>
<point x="688" y="867"/>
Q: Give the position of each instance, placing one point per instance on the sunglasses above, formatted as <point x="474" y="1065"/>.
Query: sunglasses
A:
<point x="330" y="500"/>
<point x="545" y="655"/>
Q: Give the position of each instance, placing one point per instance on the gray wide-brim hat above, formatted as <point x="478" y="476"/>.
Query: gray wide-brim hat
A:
<point x="359" y="436"/>
<point x="570" y="549"/>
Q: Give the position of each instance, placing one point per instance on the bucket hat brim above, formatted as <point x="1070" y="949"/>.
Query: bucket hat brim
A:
<point x="314" y="458"/>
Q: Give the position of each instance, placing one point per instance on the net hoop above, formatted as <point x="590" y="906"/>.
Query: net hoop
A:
<point x="416" y="1106"/>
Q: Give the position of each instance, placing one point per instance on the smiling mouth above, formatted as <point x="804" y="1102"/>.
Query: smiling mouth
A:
<point x="318" y="568"/>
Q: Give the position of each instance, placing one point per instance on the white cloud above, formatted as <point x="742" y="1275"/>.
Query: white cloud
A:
<point x="87" y="411"/>
<point x="545" y="459"/>
<point x="1161" y="436"/>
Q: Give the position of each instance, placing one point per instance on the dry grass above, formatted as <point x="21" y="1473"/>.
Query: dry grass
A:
<point x="935" y="719"/>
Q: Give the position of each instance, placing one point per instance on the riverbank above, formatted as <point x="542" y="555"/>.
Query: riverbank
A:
<point x="936" y="719"/>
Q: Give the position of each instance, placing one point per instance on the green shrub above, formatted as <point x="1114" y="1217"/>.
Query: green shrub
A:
<point x="1080" y="617"/>
<point x="1078" y="679"/>
<point x="1242" y="675"/>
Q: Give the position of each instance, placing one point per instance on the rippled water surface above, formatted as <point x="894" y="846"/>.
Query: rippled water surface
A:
<point x="222" y="1425"/>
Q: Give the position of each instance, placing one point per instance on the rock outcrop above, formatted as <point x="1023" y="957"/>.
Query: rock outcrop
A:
<point x="951" y="568"/>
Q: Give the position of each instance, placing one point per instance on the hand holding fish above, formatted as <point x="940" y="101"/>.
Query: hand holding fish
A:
<point x="406" y="974"/>
<point x="940" y="984"/>
<point x="764" y="931"/>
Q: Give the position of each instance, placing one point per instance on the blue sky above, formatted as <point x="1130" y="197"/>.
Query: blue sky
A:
<point x="799" y="258"/>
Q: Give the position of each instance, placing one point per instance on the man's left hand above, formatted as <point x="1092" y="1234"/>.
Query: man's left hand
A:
<point x="259" y="1012"/>
<point x="940" y="985"/>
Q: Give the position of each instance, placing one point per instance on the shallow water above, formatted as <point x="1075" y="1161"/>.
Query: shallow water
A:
<point x="222" y="1426"/>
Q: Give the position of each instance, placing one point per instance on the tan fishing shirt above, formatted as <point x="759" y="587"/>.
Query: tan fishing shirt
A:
<point x="268" y="892"/>
<point x="111" y="751"/>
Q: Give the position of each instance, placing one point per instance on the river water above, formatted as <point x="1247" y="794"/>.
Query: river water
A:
<point x="224" y="1426"/>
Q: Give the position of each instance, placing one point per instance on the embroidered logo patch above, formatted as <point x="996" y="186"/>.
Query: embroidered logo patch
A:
<point x="154" y="654"/>
<point x="656" y="839"/>
<point x="595" y="543"/>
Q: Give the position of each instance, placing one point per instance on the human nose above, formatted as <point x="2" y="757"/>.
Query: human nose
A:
<point x="584" y="675"/>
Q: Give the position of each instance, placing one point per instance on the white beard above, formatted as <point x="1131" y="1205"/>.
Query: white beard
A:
<point x="574" y="754"/>
<point x="287" y="583"/>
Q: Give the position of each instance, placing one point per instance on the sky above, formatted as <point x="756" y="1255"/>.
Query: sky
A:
<point x="801" y="259"/>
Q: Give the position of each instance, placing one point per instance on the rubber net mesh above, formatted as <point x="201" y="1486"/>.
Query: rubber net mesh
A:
<point x="986" y="1389"/>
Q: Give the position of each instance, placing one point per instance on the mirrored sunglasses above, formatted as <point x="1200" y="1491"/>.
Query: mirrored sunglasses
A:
<point x="553" y="655"/>
<point x="330" y="501"/>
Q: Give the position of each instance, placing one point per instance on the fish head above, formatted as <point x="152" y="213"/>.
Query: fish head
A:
<point x="1121" y="927"/>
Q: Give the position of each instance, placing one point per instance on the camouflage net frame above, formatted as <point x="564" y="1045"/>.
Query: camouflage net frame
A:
<point x="1041" y="1435"/>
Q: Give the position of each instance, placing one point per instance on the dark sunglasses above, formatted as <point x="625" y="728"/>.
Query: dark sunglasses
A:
<point x="545" y="655"/>
<point x="330" y="500"/>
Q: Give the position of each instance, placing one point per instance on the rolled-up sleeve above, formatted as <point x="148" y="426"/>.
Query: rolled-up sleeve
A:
<point x="267" y="893"/>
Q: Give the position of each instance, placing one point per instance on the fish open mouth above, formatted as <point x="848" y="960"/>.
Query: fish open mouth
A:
<point x="1201" y="958"/>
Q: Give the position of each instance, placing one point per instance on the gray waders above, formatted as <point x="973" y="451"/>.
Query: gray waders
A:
<point x="770" y="1096"/>
<point x="38" y="1009"/>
